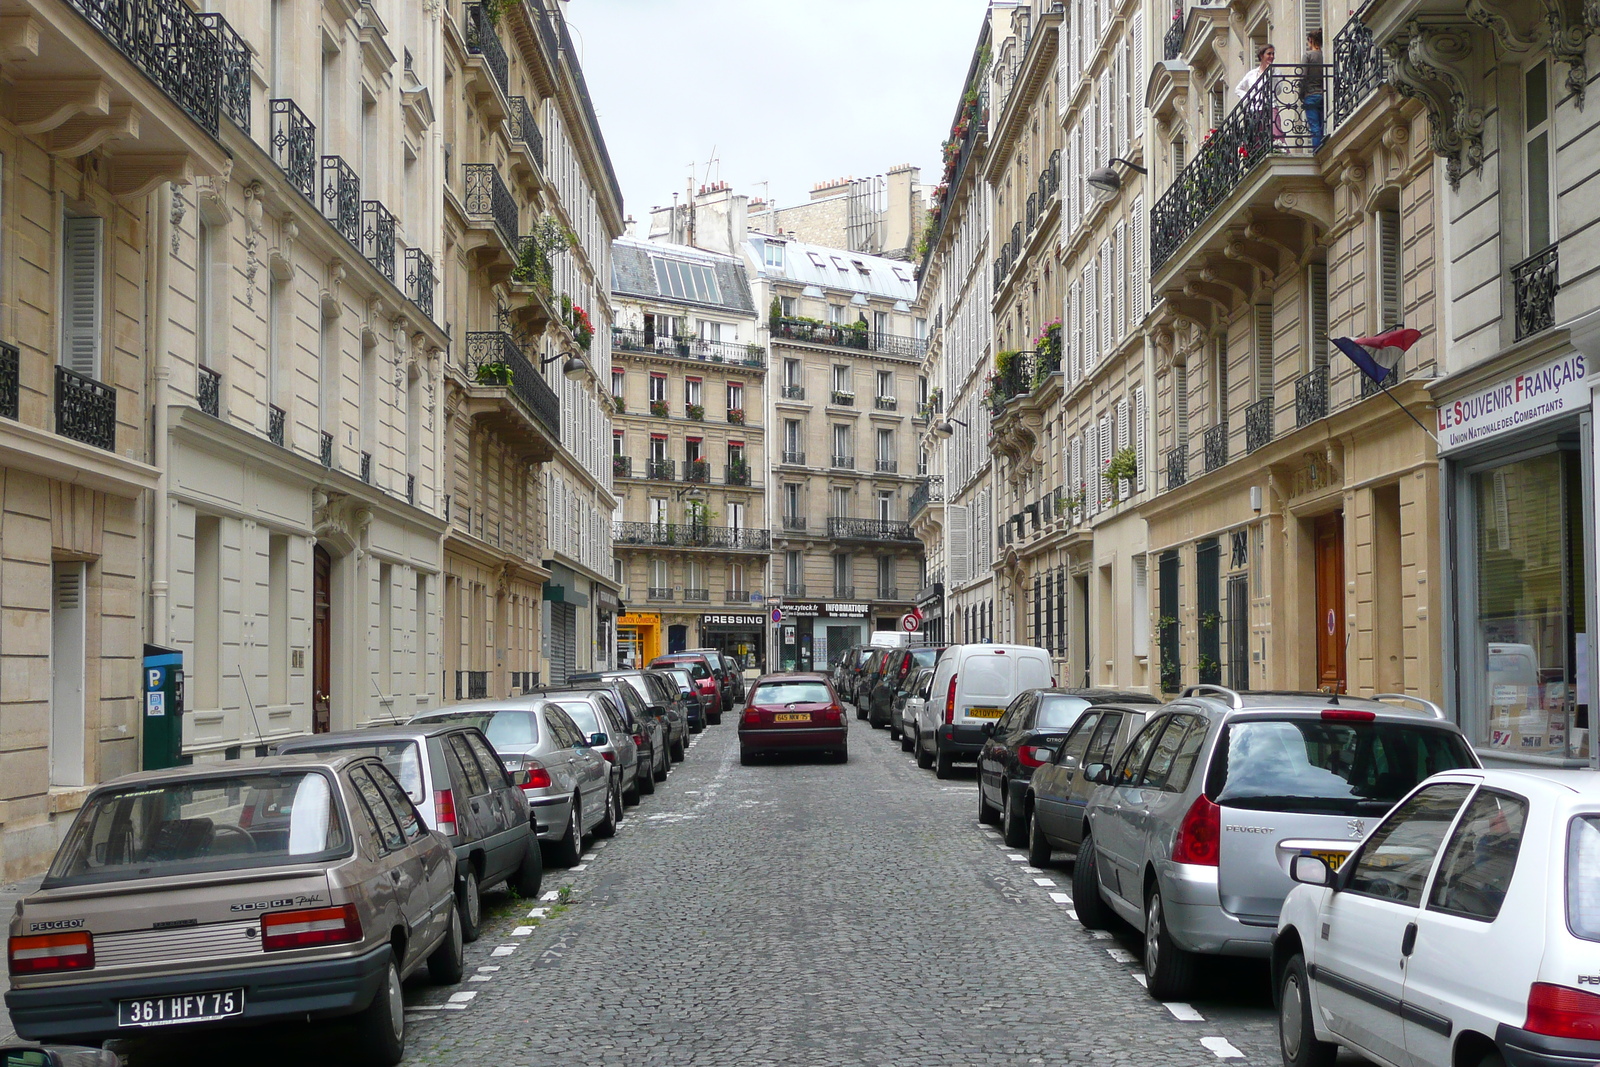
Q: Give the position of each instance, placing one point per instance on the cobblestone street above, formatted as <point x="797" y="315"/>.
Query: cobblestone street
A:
<point x="801" y="914"/>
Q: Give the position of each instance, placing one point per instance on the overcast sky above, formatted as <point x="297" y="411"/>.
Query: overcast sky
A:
<point x="785" y="92"/>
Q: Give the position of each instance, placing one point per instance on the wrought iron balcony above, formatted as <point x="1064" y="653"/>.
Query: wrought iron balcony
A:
<point x="792" y="392"/>
<point x="843" y="592"/>
<point x="659" y="593"/>
<point x="689" y="535"/>
<point x="482" y="40"/>
<point x="294" y="147"/>
<point x="736" y="596"/>
<point x="843" y="463"/>
<point x="1172" y="42"/>
<point x="1033" y="211"/>
<point x="488" y="198"/>
<point x="86" y="410"/>
<point x="697" y="471"/>
<point x="171" y="44"/>
<point x="888" y="592"/>
<point x="10" y="381"/>
<point x="621" y="467"/>
<point x="794" y="522"/>
<point x="1258" y="424"/>
<point x="533" y="264"/>
<point x="888" y="466"/>
<point x="1311" y="397"/>
<point x="869" y="530"/>
<point x="931" y="490"/>
<point x="233" y="71"/>
<point x="1049" y="181"/>
<point x="494" y="358"/>
<point x="275" y="418"/>
<point x="366" y="467"/>
<point x="377" y="237"/>
<point x="341" y="198"/>
<point x="795" y="458"/>
<point x="325" y="448"/>
<point x="660" y="470"/>
<point x="524" y="130"/>
<point x="419" y="280"/>
<point x="1215" y="444"/>
<point x="842" y="398"/>
<point x="1269" y="120"/>
<point x="208" y="390"/>
<point x="1359" y="68"/>
<point x="885" y="403"/>
<point x="700" y="596"/>
<point x="736" y="474"/>
<point x="1017" y="379"/>
<point x="411" y="489"/>
<point x="1177" y="466"/>
<point x="1536" y="281"/>
<point x="476" y="685"/>
<point x="794" y="588"/>
<point x="845" y="335"/>
<point x="740" y="355"/>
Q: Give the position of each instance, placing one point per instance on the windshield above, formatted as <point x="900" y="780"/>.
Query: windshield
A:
<point x="683" y="678"/>
<point x="210" y="824"/>
<point x="791" y="693"/>
<point x="401" y="757"/>
<point x="1059" y="712"/>
<point x="1333" y="767"/>
<point x="582" y="713"/>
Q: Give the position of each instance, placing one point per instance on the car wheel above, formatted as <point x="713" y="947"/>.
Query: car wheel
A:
<point x="986" y="813"/>
<point x="1490" y="1059"/>
<point x="1015" y="818"/>
<point x="861" y="712"/>
<point x="1039" y="850"/>
<point x="665" y="766"/>
<point x="381" y="1026"/>
<point x="645" y="779"/>
<point x="714" y="720"/>
<point x="907" y="740"/>
<point x="630" y="795"/>
<point x="1297" y="1036"/>
<point x="607" y="827"/>
<point x="842" y="756"/>
<point x="924" y="757"/>
<point x="894" y="728"/>
<point x="530" y="873"/>
<point x="449" y="960"/>
<point x="943" y="765"/>
<point x="567" y="851"/>
<point x="1086" y="901"/>
<point x="746" y="757"/>
<point x="1169" y="969"/>
<point x="677" y="751"/>
<point x="469" y="903"/>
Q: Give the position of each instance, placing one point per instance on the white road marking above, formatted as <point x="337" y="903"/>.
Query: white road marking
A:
<point x="554" y="894"/>
<point x="1072" y="915"/>
<point x="1014" y="858"/>
<point x="1100" y="935"/>
<point x="424" y="1007"/>
<point x="522" y="931"/>
<point x="538" y="913"/>
<point x="1139" y="976"/>
<point x="1221" y="1048"/>
<point x="504" y="950"/>
<point x="1033" y="870"/>
<point x="453" y="1007"/>
<point x="1122" y="955"/>
<point x="462" y="998"/>
<point x="480" y="977"/>
<point x="487" y="967"/>
<point x="1044" y="881"/>
<point x="1061" y="898"/>
<point x="578" y="867"/>
<point x="1183" y="1012"/>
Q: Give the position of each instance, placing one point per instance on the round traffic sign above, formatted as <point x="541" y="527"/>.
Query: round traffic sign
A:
<point x="909" y="622"/>
<point x="777" y="614"/>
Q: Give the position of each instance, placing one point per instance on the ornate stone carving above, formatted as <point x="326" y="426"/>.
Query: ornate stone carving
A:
<point x="1430" y="64"/>
<point x="179" y="207"/>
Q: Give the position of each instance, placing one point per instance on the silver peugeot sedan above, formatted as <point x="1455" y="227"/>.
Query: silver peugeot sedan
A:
<point x="289" y="888"/>
<point x="568" y="784"/>
<point x="1190" y="835"/>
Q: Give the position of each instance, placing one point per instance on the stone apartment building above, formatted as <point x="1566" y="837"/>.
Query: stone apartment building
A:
<point x="688" y="451"/>
<point x="882" y="215"/>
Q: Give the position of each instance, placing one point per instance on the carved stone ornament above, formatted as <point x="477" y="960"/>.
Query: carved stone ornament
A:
<point x="179" y="207"/>
<point x="253" y="213"/>
<point x="1430" y="64"/>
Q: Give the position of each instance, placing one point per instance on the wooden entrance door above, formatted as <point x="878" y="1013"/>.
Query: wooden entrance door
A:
<point x="321" y="645"/>
<point x="1329" y="541"/>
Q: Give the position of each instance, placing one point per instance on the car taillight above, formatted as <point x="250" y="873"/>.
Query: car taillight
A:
<point x="1557" y="1011"/>
<point x="752" y="717"/>
<point x="444" y="811"/>
<point x="1347" y="715"/>
<point x="44" y="953"/>
<point x="1034" y="755"/>
<point x="950" y="701"/>
<point x="638" y="739"/>
<point x="832" y="713"/>
<point x="1199" y="837"/>
<point x="538" y="777"/>
<point x="610" y="757"/>
<point x="312" y="926"/>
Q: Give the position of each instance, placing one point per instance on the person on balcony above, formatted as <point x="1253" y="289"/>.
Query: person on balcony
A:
<point x="1311" y="87"/>
<point x="1264" y="57"/>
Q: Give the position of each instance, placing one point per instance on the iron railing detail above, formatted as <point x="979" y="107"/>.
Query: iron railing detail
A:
<point x="377" y="236"/>
<point x="1258" y="424"/>
<point x="794" y="588"/>
<point x="1177" y="466"/>
<point x="844" y="335"/>
<point x="888" y="466"/>
<point x="660" y="470"/>
<point x="1360" y="66"/>
<point x="885" y="403"/>
<point x="736" y="596"/>
<point x="341" y="198"/>
<point x="482" y="40"/>
<point x="697" y="595"/>
<point x="275" y="420"/>
<point x="697" y="471"/>
<point x="1172" y="42"/>
<point x="86" y="410"/>
<point x="1215" y="446"/>
<point x="525" y="130"/>
<point x="487" y="196"/>
<point x="928" y="491"/>
<point x="1021" y="374"/>
<point x="477" y="685"/>
<point x="1311" y="396"/>
<point x="869" y="530"/>
<point x="659" y="592"/>
<point x="10" y="381"/>
<point x="233" y="71"/>
<point x="792" y="392"/>
<point x="794" y="522"/>
<point x="169" y="42"/>
<point x="366" y="467"/>
<point x="843" y="463"/>
<point x="325" y="449"/>
<point x="746" y="355"/>
<point x="208" y="390"/>
<point x="690" y="535"/>
<point x="495" y="358"/>
<point x="419" y="280"/>
<point x="621" y="466"/>
<point x="411" y="489"/>
<point x="736" y="474"/>
<point x="888" y="592"/>
<point x="1536" y="281"/>
<point x="843" y="592"/>
<point x="795" y="458"/>
<point x="294" y="147"/>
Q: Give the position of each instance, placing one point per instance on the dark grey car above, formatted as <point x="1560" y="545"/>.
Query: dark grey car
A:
<point x="1059" y="791"/>
<point x="650" y="728"/>
<point x="659" y="689"/>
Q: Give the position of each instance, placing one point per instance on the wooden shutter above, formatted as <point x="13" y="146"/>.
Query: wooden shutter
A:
<point x="81" y="273"/>
<point x="1317" y="294"/>
<point x="1105" y="458"/>
<point x="1140" y="416"/>
<point x="1075" y="475"/>
<point x="1221" y="344"/>
<point x="1391" y="277"/>
<point x="1177" y="159"/>
<point x="1263" y="351"/>
<point x="1108" y="112"/>
<point x="960" y="542"/>
<point x="1069" y="332"/>
<point x="1180" y="404"/>
<point x="1108" y="285"/>
<point x="1124" y="441"/>
<point x="1075" y="176"/>
<point x="1138" y="284"/>
<point x="1136" y="69"/>
<point x="1123" y="281"/>
<point x="1310" y="17"/>
<point x="1091" y="300"/>
<point x="1125" y="95"/>
<point x="1091" y="465"/>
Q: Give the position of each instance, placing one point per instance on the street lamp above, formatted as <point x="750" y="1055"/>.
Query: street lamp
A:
<point x="943" y="428"/>
<point x="573" y="368"/>
<point x="1104" y="183"/>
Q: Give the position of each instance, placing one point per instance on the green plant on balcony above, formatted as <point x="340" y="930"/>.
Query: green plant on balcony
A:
<point x="841" y="397"/>
<point x="619" y="466"/>
<point x="493" y="9"/>
<point x="1123" y="467"/>
<point x="752" y="353"/>
<point x="547" y="238"/>
<point x="1209" y="668"/>
<point x="496" y="373"/>
<point x="857" y="337"/>
<point x="774" y="314"/>
<point x="1165" y="621"/>
<point x="699" y="514"/>
<point x="658" y="408"/>
<point x="619" y="405"/>
<point x="1210" y="620"/>
<point x="1003" y="361"/>
<point x="736" y="416"/>
<point x="738" y="471"/>
<point x="697" y="412"/>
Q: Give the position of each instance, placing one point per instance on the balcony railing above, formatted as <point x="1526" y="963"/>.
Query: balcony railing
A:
<point x="419" y="280"/>
<point x="1258" y="419"/>
<point x="341" y="198"/>
<point x="1016" y="380"/>
<point x="411" y="489"/>
<point x="1536" y="282"/>
<point x="659" y="592"/>
<point x="1359" y="67"/>
<point x="233" y="71"/>
<point x="885" y="403"/>
<point x="794" y="522"/>
<point x="795" y="458"/>
<point x="366" y="467"/>
<point x="843" y="463"/>
<point x="843" y="592"/>
<point x="1172" y="42"/>
<point x="208" y="390"/>
<point x="660" y="470"/>
<point x="621" y="467"/>
<point x="325" y="448"/>
<point x="930" y="490"/>
<point x="475" y="687"/>
<point x="741" y="355"/>
<point x="736" y="474"/>
<point x="170" y="43"/>
<point x="697" y="595"/>
<point x="869" y="530"/>
<point x="483" y="41"/>
<point x="792" y="392"/>
<point x="1311" y="397"/>
<point x="10" y="381"/>
<point x="1215" y="444"/>
<point x="86" y="410"/>
<point x="888" y="466"/>
<point x="888" y="592"/>
<point x="275" y="419"/>
<point x="690" y="535"/>
<point x="488" y="197"/>
<point x="976" y="117"/>
<point x="736" y="596"/>
<point x="1049" y="181"/>
<point x="794" y="588"/>
<point x="294" y="147"/>
<point x="377" y="237"/>
<point x="494" y="358"/>
<point x="525" y="130"/>
<point x="844" y="335"/>
<point x="1033" y="212"/>
<point x="697" y="471"/>
<point x="1269" y="120"/>
<point x="1177" y="466"/>
<point x="842" y="398"/>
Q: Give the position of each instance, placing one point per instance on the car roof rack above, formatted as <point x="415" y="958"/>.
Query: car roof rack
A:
<point x="1232" y="697"/>
<point x="1427" y="705"/>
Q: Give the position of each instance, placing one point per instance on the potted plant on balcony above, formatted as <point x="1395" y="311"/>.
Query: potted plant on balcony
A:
<point x="738" y="472"/>
<point x="495" y="372"/>
<point x="658" y="408"/>
<point x="736" y="416"/>
<point x="774" y="314"/>
<point x="619" y="405"/>
<point x="619" y="466"/>
<point x="752" y="355"/>
<point x="843" y="398"/>
<point x="1123" y="466"/>
<point x="697" y="412"/>
<point x="582" y="329"/>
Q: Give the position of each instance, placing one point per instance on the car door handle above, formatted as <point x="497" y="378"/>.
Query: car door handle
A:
<point x="1409" y="940"/>
<point x="394" y="875"/>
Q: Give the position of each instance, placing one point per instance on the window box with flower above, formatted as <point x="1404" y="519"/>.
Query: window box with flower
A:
<point x="658" y="408"/>
<point x="697" y="412"/>
<point x="736" y="416"/>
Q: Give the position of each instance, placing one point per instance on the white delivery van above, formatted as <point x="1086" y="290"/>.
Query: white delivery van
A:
<point x="889" y="639"/>
<point x="972" y="684"/>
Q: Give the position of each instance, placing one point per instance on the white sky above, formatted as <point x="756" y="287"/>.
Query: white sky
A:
<point x="789" y="92"/>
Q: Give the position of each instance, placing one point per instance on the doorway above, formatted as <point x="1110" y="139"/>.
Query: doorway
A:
<point x="321" y="643"/>
<point x="1328" y="539"/>
<point x="677" y="638"/>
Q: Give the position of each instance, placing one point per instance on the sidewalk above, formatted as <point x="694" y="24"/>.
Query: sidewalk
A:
<point x="9" y="895"/>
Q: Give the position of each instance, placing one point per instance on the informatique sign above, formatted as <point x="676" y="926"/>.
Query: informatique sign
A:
<point x="1557" y="388"/>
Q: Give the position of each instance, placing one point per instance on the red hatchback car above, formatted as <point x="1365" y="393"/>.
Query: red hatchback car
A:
<point x="797" y="712"/>
<point x="705" y="679"/>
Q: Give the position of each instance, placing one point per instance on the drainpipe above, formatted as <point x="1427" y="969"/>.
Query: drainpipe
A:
<point x="157" y="347"/>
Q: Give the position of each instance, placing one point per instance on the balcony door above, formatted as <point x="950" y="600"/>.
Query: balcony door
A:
<point x="1329" y="548"/>
<point x="321" y="639"/>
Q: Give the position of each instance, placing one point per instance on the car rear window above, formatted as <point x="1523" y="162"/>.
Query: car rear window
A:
<point x="403" y="759"/>
<point x="1334" y="767"/>
<point x="212" y="824"/>
<point x="693" y="666"/>
<point x="791" y="693"/>
<point x="925" y="657"/>
<point x="1059" y="712"/>
<point x="684" y="679"/>
<point x="988" y="676"/>
<point x="504" y="729"/>
<point x="1583" y="877"/>
<point x="582" y="713"/>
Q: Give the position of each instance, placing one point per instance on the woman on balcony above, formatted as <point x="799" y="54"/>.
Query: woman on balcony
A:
<point x="1264" y="57"/>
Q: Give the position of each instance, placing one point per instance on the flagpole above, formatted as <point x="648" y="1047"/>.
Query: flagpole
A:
<point x="1409" y="413"/>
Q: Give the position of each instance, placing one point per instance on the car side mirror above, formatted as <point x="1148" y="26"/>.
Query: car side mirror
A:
<point x="657" y="710"/>
<point x="519" y="779"/>
<point x="1099" y="773"/>
<point x="988" y="729"/>
<point x="596" y="740"/>
<point x="1310" y="870"/>
<point x="34" y="1056"/>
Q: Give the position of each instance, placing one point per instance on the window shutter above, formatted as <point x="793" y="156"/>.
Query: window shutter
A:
<point x="1140" y="61"/>
<point x="1138" y="284"/>
<point x="1075" y="177"/>
<point x="1108" y="120"/>
<point x="1105" y="458"/>
<point x="1263" y="351"/>
<point x="1140" y="415"/>
<point x="1310" y="17"/>
<point x="1069" y="336"/>
<point x="1075" y="476"/>
<point x="1177" y="159"/>
<point x="1091" y="469"/>
<point x="960" y="542"/>
<point x="1125" y="91"/>
<point x="80" y="295"/>
<point x="1108" y="284"/>
<point x="1124" y="441"/>
<point x="1317" y="291"/>
<point x="1062" y="76"/>
<point x="1091" y="300"/>
<point x="1392" y="312"/>
<point x="1122" y="281"/>
<point x="1180" y="404"/>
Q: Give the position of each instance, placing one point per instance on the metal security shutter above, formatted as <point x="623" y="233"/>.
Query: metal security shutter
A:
<point x="563" y="642"/>
<point x="80" y="295"/>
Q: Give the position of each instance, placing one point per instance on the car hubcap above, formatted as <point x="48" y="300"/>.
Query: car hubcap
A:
<point x="1289" y="1023"/>
<point x="1152" y="935"/>
<point x="472" y="898"/>
<point x="397" y="1007"/>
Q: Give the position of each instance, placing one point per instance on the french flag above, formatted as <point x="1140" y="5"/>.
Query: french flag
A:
<point x="1359" y="349"/>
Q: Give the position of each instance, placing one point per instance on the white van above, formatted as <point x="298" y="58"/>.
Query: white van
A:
<point x="972" y="684"/>
<point x="889" y="639"/>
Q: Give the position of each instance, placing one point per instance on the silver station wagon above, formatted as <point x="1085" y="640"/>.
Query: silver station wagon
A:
<point x="287" y="888"/>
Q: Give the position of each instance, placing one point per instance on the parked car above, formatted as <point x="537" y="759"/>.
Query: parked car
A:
<point x="597" y="718"/>
<point x="569" y="784"/>
<point x="907" y="703"/>
<point x="894" y="670"/>
<point x="793" y="712"/>
<point x="867" y="676"/>
<point x="841" y="662"/>
<point x="729" y="671"/>
<point x="1025" y="738"/>
<point x="650" y="723"/>
<point x="693" y="707"/>
<point x="461" y="789"/>
<point x="659" y="690"/>
<point x="850" y="670"/>
<point x="283" y="889"/>
<point x="972" y="685"/>
<point x="1278" y="775"/>
<point x="1058" y="793"/>
<point x="1462" y="930"/>
<point x="705" y="679"/>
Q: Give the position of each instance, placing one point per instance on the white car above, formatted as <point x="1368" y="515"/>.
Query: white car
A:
<point x="972" y="686"/>
<point x="1464" y="931"/>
